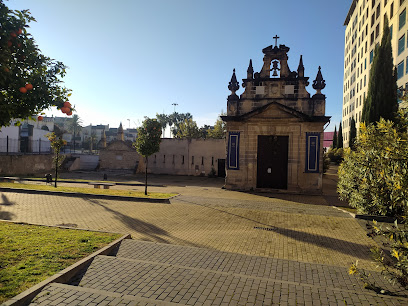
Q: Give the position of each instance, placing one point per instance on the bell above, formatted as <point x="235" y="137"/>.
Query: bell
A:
<point x="274" y="73"/>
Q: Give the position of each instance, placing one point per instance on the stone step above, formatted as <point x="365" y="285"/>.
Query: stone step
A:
<point x="61" y="294"/>
<point x="264" y="267"/>
<point x="164" y="282"/>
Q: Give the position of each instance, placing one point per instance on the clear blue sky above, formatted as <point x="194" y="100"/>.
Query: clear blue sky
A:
<point x="129" y="58"/>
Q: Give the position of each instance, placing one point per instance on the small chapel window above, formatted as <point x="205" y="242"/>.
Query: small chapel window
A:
<point x="182" y="160"/>
<point x="154" y="158"/>
<point x="202" y="160"/>
<point x="173" y="158"/>
<point x="164" y="158"/>
<point x="212" y="161"/>
<point x="192" y="160"/>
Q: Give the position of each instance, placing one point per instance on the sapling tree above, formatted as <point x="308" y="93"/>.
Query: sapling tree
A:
<point x="148" y="141"/>
<point x="57" y="143"/>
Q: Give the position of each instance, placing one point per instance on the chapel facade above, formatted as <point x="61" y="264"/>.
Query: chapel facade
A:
<point x="275" y="128"/>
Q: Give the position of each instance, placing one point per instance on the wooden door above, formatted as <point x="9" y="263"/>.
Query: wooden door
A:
<point x="272" y="164"/>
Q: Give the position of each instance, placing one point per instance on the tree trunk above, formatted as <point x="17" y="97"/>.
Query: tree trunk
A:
<point x="56" y="169"/>
<point x="146" y="177"/>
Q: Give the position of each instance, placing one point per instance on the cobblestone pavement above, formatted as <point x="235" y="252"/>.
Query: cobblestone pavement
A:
<point x="145" y="272"/>
<point x="302" y="230"/>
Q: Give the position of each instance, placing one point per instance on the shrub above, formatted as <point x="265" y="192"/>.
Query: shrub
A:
<point x="374" y="177"/>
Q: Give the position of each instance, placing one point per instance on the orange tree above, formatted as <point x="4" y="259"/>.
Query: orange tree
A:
<point x="148" y="140"/>
<point x="29" y="81"/>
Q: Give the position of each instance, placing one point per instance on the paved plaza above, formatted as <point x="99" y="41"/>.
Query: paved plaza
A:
<point x="297" y="248"/>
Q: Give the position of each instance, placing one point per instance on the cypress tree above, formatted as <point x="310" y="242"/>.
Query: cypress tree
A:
<point x="334" y="145"/>
<point x="340" y="137"/>
<point x="353" y="133"/>
<point x="381" y="98"/>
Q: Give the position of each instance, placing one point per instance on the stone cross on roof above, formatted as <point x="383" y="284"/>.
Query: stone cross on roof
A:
<point x="276" y="40"/>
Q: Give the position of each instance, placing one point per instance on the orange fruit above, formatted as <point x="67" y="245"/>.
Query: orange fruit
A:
<point x="29" y="86"/>
<point x="65" y="110"/>
<point x="19" y="31"/>
<point x="70" y="113"/>
<point x="13" y="34"/>
<point x="23" y="90"/>
<point x="67" y="104"/>
<point x="9" y="43"/>
<point x="40" y="118"/>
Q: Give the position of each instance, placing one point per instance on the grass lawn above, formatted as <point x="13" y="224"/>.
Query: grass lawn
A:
<point x="29" y="253"/>
<point x="91" y="190"/>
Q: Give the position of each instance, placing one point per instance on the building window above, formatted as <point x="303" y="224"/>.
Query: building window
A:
<point x="372" y="3"/>
<point x="402" y="18"/>
<point x="164" y="159"/>
<point x="155" y="158"/>
<point x="377" y="30"/>
<point x="391" y="31"/>
<point x="212" y="161"/>
<point x="365" y="63"/>
<point x="406" y="68"/>
<point x="400" y="70"/>
<point x="192" y="160"/>
<point x="371" y="56"/>
<point x="182" y="160"/>
<point x="372" y="19"/>
<point x="401" y="44"/>
<point x="202" y="160"/>
<point x="378" y="9"/>
<point x="174" y="158"/>
<point x="364" y="80"/>
<point x="385" y="2"/>
<point x="392" y="10"/>
<point x="372" y="38"/>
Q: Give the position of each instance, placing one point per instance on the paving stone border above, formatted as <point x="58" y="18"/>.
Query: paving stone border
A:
<point x="87" y="195"/>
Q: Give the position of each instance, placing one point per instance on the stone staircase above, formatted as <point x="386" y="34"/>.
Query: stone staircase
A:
<point x="145" y="273"/>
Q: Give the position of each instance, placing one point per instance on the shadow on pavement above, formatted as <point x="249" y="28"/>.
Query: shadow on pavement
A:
<point x="5" y="200"/>
<point x="153" y="232"/>
<point x="346" y="247"/>
<point x="5" y="215"/>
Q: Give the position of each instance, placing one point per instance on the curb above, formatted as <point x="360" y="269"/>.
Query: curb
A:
<point x="86" y="182"/>
<point x="87" y="195"/>
<point x="384" y="219"/>
<point x="65" y="275"/>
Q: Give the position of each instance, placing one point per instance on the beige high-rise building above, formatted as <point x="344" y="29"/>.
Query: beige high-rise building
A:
<point x="364" y="26"/>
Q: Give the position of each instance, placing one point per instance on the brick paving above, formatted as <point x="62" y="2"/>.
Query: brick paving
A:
<point x="307" y="244"/>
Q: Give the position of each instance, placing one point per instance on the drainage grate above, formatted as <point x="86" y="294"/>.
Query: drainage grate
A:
<point x="264" y="228"/>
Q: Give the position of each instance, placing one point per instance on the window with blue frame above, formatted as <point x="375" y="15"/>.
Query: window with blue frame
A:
<point x="401" y="44"/>
<point x="371" y="56"/>
<point x="400" y="70"/>
<point x="402" y="18"/>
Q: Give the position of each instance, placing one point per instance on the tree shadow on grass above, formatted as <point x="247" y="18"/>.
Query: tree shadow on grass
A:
<point x="153" y="232"/>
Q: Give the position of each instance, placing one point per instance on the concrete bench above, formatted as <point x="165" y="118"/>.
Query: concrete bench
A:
<point x="98" y="185"/>
<point x="10" y="179"/>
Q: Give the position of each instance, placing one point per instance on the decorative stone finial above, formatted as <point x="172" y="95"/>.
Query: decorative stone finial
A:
<point x="120" y="136"/>
<point x="319" y="83"/>
<point x="301" y="68"/>
<point x="250" y="71"/>
<point x="233" y="84"/>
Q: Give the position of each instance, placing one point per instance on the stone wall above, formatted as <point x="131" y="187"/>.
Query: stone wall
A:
<point x="187" y="156"/>
<point x="118" y="155"/>
<point x="11" y="165"/>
